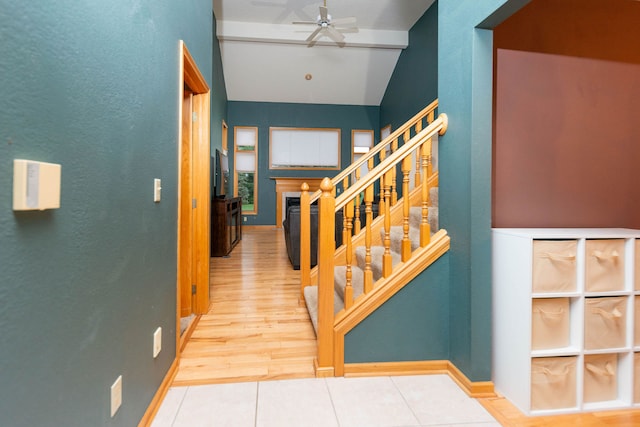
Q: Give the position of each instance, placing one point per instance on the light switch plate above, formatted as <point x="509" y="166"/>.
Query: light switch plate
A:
<point x="116" y="396"/>
<point x="157" y="342"/>
<point x="157" y="190"/>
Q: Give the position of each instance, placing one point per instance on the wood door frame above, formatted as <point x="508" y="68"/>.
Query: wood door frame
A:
<point x="194" y="153"/>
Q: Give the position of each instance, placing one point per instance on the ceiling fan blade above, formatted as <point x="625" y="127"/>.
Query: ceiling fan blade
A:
<point x="323" y="13"/>
<point x="305" y="22"/>
<point x="334" y="34"/>
<point x="344" y="21"/>
<point x="314" y="34"/>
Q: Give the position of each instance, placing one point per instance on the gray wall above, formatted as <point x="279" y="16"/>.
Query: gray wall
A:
<point x="92" y="86"/>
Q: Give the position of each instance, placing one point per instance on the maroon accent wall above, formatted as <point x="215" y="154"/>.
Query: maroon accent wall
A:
<point x="567" y="115"/>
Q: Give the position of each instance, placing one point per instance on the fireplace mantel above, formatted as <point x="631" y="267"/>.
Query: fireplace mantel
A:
<point x="288" y="184"/>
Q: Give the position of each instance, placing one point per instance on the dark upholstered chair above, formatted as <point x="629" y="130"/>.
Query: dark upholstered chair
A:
<point x="291" y="226"/>
<point x="363" y="219"/>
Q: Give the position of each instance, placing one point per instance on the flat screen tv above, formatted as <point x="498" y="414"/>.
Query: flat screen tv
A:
<point x="221" y="175"/>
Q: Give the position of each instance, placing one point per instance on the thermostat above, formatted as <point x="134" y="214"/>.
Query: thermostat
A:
<point x="36" y="185"/>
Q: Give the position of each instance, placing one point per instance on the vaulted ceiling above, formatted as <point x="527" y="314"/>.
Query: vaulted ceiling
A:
<point x="266" y="58"/>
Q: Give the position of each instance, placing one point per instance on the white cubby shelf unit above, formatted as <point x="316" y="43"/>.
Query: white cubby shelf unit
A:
<point x="566" y="318"/>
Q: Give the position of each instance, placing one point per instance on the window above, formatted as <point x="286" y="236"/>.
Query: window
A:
<point x="361" y="142"/>
<point x="246" y="167"/>
<point x="302" y="148"/>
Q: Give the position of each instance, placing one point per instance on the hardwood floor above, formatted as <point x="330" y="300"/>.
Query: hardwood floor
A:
<point x="258" y="328"/>
<point x="509" y="416"/>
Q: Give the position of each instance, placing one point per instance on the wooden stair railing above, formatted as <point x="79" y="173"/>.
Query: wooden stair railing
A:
<point x="352" y="172"/>
<point x="328" y="205"/>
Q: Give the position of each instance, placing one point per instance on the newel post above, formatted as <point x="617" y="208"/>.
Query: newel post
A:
<point x="305" y="237"/>
<point x="326" y="250"/>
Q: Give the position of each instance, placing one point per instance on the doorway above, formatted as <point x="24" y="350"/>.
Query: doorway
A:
<point x="193" y="194"/>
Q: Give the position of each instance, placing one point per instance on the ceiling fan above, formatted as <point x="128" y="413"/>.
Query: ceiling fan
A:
<point x="327" y="26"/>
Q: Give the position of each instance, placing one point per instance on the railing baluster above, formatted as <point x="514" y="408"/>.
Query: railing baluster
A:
<point x="394" y="192"/>
<point x="406" y="242"/>
<point x="418" y="126"/>
<point x="430" y="118"/>
<point x="348" y="290"/>
<point x="305" y="237"/>
<point x="345" y="235"/>
<point x="368" y="209"/>
<point x="386" y="258"/>
<point x="326" y="250"/>
<point x="417" y="178"/>
<point x="382" y="206"/>
<point x="356" y="216"/>
<point x="425" y="228"/>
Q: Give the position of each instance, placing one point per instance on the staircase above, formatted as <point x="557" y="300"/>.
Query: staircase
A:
<point x="378" y="256"/>
<point x="377" y="252"/>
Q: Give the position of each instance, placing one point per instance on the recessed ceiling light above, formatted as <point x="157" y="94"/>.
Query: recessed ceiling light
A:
<point x="308" y="76"/>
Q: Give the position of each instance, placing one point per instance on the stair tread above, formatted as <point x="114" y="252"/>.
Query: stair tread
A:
<point x="397" y="234"/>
<point x="311" y="301"/>
<point x="415" y="218"/>
<point x="376" y="259"/>
<point x="340" y="280"/>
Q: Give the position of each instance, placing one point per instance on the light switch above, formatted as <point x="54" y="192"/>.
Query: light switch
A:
<point x="157" y="190"/>
<point x="36" y="185"/>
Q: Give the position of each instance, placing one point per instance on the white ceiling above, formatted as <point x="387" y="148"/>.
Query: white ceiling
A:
<point x="265" y="57"/>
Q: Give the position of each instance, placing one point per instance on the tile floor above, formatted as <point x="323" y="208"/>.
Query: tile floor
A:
<point x="407" y="401"/>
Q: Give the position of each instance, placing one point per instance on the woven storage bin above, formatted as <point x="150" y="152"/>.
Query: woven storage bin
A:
<point x="637" y="264"/>
<point x="636" y="378"/>
<point x="604" y="322"/>
<point x="604" y="265"/>
<point x="600" y="377"/>
<point x="636" y="322"/>
<point x="550" y="319"/>
<point x="554" y="265"/>
<point x="553" y="382"/>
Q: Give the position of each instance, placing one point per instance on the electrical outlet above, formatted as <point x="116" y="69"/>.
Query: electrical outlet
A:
<point x="116" y="396"/>
<point x="157" y="342"/>
<point x="244" y="218"/>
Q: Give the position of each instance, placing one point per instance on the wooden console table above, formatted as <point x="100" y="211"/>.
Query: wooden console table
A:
<point x="286" y="185"/>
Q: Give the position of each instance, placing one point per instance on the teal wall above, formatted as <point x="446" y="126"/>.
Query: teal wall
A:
<point x="218" y="95"/>
<point x="218" y="101"/>
<point x="414" y="82"/>
<point x="92" y="86"/>
<point x="465" y="94"/>
<point x="264" y="115"/>
<point x="412" y="325"/>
